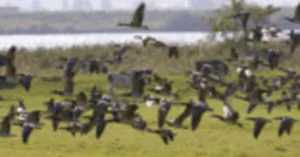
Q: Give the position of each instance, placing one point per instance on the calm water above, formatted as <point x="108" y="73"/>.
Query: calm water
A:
<point x="69" y="40"/>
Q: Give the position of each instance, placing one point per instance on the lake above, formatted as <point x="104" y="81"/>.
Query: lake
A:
<point x="69" y="40"/>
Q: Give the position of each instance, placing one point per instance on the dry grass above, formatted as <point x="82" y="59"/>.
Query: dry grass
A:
<point x="44" y="61"/>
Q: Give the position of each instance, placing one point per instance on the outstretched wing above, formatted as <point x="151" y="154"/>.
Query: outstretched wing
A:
<point x="259" y="125"/>
<point x="33" y="117"/>
<point x="26" y="131"/>
<point x="5" y="126"/>
<point x="138" y="15"/>
<point x="297" y="13"/>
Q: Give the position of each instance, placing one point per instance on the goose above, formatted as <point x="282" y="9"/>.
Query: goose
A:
<point x="32" y="122"/>
<point x="68" y="87"/>
<point x="295" y="40"/>
<point x="150" y="100"/>
<point x="70" y="66"/>
<point x="178" y="122"/>
<point x="26" y="80"/>
<point x="230" y="115"/>
<point x="137" y="19"/>
<point x="286" y="125"/>
<point x="273" y="58"/>
<point x="5" y="130"/>
<point x="166" y="135"/>
<point x="10" y="66"/>
<point x="233" y="54"/>
<point x="119" y="54"/>
<point x="296" y="18"/>
<point x="164" y="108"/>
<point x="199" y="108"/>
<point x="150" y="41"/>
<point x="286" y="100"/>
<point x="259" y="123"/>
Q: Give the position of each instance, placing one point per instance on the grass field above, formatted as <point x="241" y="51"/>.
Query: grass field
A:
<point x="212" y="138"/>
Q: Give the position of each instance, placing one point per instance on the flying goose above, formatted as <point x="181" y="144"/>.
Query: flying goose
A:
<point x="137" y="19"/>
<point x="259" y="123"/>
<point x="230" y="115"/>
<point x="166" y="135"/>
<point x="150" y="41"/>
<point x="296" y="18"/>
<point x="5" y="127"/>
<point x="178" y="122"/>
<point x="286" y="125"/>
<point x="26" y="80"/>
<point x="164" y="108"/>
<point x="32" y="122"/>
<point x="286" y="100"/>
<point x="199" y="108"/>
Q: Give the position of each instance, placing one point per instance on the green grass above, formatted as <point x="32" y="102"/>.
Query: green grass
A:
<point x="212" y="138"/>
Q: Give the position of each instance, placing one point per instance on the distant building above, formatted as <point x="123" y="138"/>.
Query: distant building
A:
<point x="4" y="10"/>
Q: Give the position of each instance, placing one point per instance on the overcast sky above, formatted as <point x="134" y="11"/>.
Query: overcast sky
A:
<point x="130" y="4"/>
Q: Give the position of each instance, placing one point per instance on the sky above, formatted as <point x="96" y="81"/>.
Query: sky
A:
<point x="130" y="4"/>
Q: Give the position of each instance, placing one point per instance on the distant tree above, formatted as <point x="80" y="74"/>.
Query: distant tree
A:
<point x="222" y="18"/>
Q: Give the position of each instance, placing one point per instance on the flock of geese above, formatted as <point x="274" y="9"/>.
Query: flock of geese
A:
<point x="208" y="76"/>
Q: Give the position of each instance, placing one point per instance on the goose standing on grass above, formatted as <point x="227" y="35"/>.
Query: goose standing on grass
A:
<point x="296" y="18"/>
<point x="137" y="19"/>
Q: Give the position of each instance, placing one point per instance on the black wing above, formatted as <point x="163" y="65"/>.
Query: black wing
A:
<point x="186" y="113"/>
<point x="162" y="115"/>
<point x="55" y="123"/>
<point x="251" y="107"/>
<point x="196" y="116"/>
<point x="258" y="128"/>
<point x="165" y="139"/>
<point x="297" y="13"/>
<point x="5" y="126"/>
<point x="138" y="15"/>
<point x="101" y="124"/>
<point x="33" y="117"/>
<point x="282" y="127"/>
<point x="26" y="132"/>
